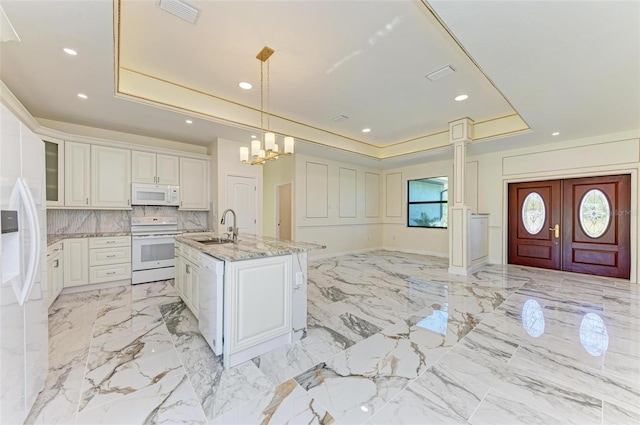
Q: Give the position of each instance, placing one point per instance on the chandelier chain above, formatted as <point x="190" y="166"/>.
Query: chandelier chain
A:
<point x="261" y="102"/>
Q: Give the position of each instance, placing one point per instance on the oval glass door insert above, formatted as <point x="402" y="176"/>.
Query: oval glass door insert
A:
<point x="594" y="213"/>
<point x="533" y="213"/>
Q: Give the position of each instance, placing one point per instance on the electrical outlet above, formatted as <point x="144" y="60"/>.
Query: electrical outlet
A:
<point x="299" y="278"/>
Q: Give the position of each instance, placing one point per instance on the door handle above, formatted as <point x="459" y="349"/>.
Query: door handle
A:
<point x="556" y="230"/>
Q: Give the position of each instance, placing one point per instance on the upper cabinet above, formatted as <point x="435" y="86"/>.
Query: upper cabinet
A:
<point x="77" y="165"/>
<point x="99" y="176"/>
<point x="194" y="184"/>
<point x="154" y="168"/>
<point x="110" y="177"/>
<point x="54" y="172"/>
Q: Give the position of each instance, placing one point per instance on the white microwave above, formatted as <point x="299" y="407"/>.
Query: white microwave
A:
<point x="155" y="194"/>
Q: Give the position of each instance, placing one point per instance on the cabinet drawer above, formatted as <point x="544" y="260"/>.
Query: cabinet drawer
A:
<point x="193" y="254"/>
<point x="54" y="249"/>
<point x="108" y="242"/>
<point x="104" y="256"/>
<point x="109" y="273"/>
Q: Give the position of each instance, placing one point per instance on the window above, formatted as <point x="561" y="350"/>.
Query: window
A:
<point x="427" y="202"/>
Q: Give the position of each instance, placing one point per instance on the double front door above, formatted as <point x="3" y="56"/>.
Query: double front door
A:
<point x="579" y="225"/>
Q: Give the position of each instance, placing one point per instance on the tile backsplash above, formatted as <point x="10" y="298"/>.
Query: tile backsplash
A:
<point x="100" y="221"/>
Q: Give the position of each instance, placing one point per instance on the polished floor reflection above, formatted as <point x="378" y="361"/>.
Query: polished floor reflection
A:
<point x="392" y="338"/>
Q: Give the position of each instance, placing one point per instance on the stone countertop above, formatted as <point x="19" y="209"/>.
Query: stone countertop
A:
<point x="248" y="246"/>
<point x="51" y="239"/>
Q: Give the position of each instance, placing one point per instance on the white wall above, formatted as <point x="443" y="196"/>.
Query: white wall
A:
<point x="276" y="173"/>
<point x="225" y="161"/>
<point x="396" y="234"/>
<point x="337" y="204"/>
<point x="601" y="155"/>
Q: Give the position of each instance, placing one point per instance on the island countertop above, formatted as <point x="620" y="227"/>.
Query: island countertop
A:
<point x="248" y="246"/>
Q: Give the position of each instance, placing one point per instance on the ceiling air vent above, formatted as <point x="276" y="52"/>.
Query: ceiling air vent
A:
<point x="441" y="73"/>
<point x="180" y="9"/>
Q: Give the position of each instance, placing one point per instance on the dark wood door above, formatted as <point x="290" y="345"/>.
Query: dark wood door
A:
<point x="596" y="217"/>
<point x="534" y="209"/>
<point x="593" y="216"/>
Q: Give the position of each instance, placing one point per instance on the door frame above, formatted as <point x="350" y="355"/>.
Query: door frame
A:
<point x="258" y="182"/>
<point x="601" y="171"/>
<point x="277" y="209"/>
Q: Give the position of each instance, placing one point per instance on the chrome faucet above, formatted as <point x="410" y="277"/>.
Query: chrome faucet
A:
<point x="232" y="229"/>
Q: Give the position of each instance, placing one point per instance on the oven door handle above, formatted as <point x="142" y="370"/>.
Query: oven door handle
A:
<point x="144" y="237"/>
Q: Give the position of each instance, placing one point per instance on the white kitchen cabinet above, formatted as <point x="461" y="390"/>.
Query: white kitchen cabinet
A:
<point x="110" y="177"/>
<point x="194" y="184"/>
<point x="109" y="259"/>
<point x="147" y="167"/>
<point x="77" y="175"/>
<point x="76" y="262"/>
<point x="54" y="172"/>
<point x="257" y="307"/>
<point x="55" y="271"/>
<point x="187" y="276"/>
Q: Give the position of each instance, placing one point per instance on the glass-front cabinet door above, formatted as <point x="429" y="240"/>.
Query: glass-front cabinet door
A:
<point x="54" y="171"/>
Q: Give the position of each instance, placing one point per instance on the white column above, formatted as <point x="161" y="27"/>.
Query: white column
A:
<point x="460" y="133"/>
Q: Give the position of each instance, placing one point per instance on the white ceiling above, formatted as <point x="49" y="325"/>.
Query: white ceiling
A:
<point x="570" y="66"/>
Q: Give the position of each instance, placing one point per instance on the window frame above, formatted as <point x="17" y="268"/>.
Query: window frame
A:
<point x="443" y="204"/>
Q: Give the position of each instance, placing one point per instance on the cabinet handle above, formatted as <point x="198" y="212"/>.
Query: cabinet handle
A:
<point x="110" y="242"/>
<point x="128" y="202"/>
<point x="56" y="263"/>
<point x="188" y="269"/>
<point x="111" y="273"/>
<point x="87" y="201"/>
<point x="111" y="256"/>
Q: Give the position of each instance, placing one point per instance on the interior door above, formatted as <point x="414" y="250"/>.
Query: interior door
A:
<point x="578" y="225"/>
<point x="596" y="217"/>
<point x="534" y="211"/>
<point x="241" y="197"/>
<point x="283" y="224"/>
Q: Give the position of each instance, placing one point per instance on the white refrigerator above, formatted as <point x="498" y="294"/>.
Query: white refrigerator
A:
<point x="23" y="298"/>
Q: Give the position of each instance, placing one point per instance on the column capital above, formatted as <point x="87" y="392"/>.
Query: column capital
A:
<point x="461" y="131"/>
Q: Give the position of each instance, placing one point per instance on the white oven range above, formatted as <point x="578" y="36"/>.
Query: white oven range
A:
<point x="152" y="248"/>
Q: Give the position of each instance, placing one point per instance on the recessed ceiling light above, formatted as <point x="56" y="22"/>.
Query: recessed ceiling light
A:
<point x="82" y="96"/>
<point x="69" y="51"/>
<point x="555" y="134"/>
<point x="188" y="121"/>
<point x="366" y="130"/>
<point x="245" y="85"/>
<point x="461" y="97"/>
<point x="253" y="136"/>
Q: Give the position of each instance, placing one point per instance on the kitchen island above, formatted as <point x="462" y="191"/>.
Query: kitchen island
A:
<point x="249" y="297"/>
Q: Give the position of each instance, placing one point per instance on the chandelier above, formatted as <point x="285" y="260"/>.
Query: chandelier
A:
<point x="265" y="148"/>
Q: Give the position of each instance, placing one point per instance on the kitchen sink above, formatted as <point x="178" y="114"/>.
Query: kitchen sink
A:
<point x="215" y="241"/>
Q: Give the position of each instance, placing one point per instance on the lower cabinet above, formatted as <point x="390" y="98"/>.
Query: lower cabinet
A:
<point x="55" y="271"/>
<point x="96" y="260"/>
<point x="109" y="259"/>
<point x="257" y="307"/>
<point x="187" y="277"/>
<point x="76" y="262"/>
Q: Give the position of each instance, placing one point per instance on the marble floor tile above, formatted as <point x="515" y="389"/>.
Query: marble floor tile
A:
<point x="613" y="414"/>
<point x="284" y="363"/>
<point x="435" y="397"/>
<point x="170" y="401"/>
<point x="125" y="364"/>
<point x="496" y="409"/>
<point x="392" y="338"/>
<point x="287" y="403"/>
